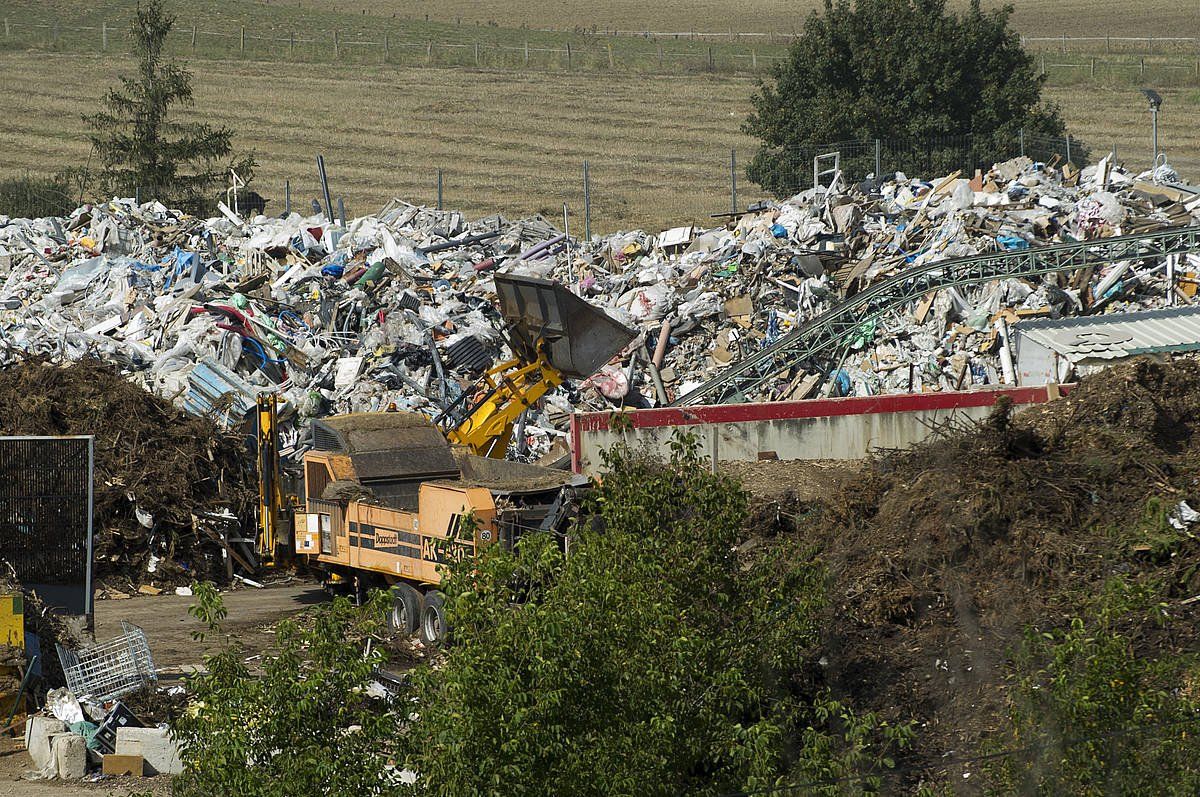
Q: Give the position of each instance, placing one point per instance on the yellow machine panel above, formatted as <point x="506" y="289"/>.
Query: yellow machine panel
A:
<point x="12" y="620"/>
<point x="396" y="543"/>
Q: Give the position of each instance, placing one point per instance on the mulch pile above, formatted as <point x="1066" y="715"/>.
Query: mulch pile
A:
<point x="943" y="555"/>
<point x="150" y="456"/>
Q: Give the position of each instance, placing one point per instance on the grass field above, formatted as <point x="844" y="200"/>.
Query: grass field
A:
<point x="511" y="142"/>
<point x="507" y="141"/>
<point x="1032" y="17"/>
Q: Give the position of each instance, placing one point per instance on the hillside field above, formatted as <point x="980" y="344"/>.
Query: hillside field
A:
<point x="512" y="142"/>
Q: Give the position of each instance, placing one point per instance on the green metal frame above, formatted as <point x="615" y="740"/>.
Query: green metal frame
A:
<point x="841" y="324"/>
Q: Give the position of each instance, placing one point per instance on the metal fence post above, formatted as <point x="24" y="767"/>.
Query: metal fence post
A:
<point x="193" y="37"/>
<point x="336" y="49"/>
<point x="587" y="202"/>
<point x="733" y="179"/>
<point x="103" y="35"/>
<point x="878" y="167"/>
<point x="7" y="29"/>
<point x="1068" y="147"/>
<point x="325" y="187"/>
<point x="243" y="41"/>
<point x="568" y="56"/>
<point x="287" y="197"/>
<point x="439" y="204"/>
<point x="1021" y="136"/>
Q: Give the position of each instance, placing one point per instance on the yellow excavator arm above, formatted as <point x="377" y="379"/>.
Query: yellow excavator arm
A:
<point x="555" y="335"/>
<point x="270" y="487"/>
<point x="513" y="387"/>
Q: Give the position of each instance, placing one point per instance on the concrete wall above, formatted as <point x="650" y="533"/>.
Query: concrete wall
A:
<point x="847" y="428"/>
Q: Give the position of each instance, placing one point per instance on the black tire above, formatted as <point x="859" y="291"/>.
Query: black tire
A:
<point x="405" y="614"/>
<point x="433" y="619"/>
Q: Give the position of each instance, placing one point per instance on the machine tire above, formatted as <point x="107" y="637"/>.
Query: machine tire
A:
<point x="406" y="612"/>
<point x="433" y="619"/>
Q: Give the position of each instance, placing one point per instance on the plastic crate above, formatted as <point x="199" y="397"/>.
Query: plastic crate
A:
<point x="110" y="669"/>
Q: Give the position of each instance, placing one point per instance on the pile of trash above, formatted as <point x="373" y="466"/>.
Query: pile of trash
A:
<point x="169" y="487"/>
<point x="399" y="308"/>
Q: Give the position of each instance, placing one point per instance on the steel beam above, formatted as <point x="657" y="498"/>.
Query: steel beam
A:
<point x="839" y="326"/>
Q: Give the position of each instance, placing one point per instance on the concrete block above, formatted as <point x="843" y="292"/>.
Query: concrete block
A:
<point x="70" y="755"/>
<point x="38" y="731"/>
<point x="155" y="745"/>
<point x="118" y="765"/>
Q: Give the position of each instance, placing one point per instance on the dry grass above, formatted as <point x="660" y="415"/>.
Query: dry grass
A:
<point x="658" y="146"/>
<point x="1032" y="17"/>
<point x="1108" y="116"/>
<point x="508" y="142"/>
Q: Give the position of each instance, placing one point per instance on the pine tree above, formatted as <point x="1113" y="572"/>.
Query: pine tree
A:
<point x="141" y="146"/>
<point x="952" y="90"/>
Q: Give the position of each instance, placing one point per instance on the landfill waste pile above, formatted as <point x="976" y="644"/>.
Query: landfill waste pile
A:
<point x="941" y="556"/>
<point x="399" y="308"/>
<point x="168" y="486"/>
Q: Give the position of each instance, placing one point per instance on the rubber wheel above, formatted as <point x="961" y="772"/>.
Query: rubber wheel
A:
<point x="433" y="619"/>
<point x="405" y="614"/>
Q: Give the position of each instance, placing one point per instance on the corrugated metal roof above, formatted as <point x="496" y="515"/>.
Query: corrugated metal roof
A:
<point x="1116" y="335"/>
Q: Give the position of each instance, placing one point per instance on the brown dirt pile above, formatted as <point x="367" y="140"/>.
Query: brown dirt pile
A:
<point x="149" y="455"/>
<point x="941" y="556"/>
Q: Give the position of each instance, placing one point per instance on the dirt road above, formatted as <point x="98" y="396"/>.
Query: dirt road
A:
<point x="168" y="629"/>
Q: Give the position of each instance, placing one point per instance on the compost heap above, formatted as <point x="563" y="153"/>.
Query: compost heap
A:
<point x="942" y="555"/>
<point x="166" y="483"/>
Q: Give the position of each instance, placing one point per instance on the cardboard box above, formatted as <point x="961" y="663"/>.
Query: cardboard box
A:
<point x="123" y="764"/>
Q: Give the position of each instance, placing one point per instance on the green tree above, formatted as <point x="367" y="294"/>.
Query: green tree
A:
<point x="903" y="70"/>
<point x="662" y="656"/>
<point x="140" y="143"/>
<point x="307" y="722"/>
<point x="654" y="659"/>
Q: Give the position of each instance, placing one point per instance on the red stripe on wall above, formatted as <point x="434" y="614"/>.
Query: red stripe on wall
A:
<point x="810" y="408"/>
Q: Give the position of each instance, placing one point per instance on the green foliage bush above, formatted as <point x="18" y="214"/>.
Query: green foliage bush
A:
<point x="655" y="659"/>
<point x="1092" y="715"/>
<point x="305" y="724"/>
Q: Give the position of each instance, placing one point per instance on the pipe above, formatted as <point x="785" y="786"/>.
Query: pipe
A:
<point x="1006" y="360"/>
<point x="325" y="187"/>
<point x="533" y="250"/>
<point x="659" y="388"/>
<point x="660" y="350"/>
<point x="457" y="242"/>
